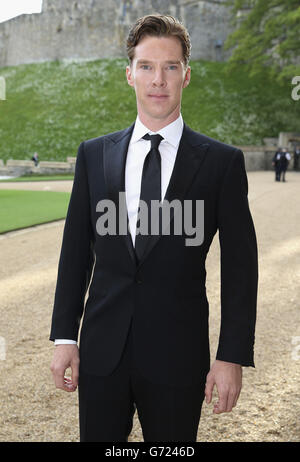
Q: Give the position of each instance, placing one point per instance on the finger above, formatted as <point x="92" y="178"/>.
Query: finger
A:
<point x="58" y="377"/>
<point x="230" y="401"/>
<point x="216" y="408"/>
<point x="75" y="373"/>
<point x="237" y="397"/>
<point x="62" y="382"/>
<point x="221" y="405"/>
<point x="69" y="385"/>
<point x="209" y="390"/>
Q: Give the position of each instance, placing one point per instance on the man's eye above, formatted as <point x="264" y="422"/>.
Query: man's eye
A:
<point x="145" y="67"/>
<point x="172" y="67"/>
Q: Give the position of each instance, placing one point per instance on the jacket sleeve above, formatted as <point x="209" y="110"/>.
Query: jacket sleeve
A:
<point x="239" y="266"/>
<point x="76" y="258"/>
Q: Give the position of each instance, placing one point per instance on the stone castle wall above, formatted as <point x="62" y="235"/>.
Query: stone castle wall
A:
<point x="92" y="29"/>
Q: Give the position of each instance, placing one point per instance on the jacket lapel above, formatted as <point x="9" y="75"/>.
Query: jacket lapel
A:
<point x="114" y="161"/>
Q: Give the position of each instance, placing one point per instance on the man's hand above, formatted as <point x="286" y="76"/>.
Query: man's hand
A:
<point x="228" y="379"/>
<point x="65" y="356"/>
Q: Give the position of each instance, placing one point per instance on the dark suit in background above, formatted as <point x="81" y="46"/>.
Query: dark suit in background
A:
<point x="296" y="158"/>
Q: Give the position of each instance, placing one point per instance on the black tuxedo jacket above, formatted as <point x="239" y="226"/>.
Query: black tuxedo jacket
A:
<point x="101" y="284"/>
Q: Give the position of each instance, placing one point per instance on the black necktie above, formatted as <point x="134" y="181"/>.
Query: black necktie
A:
<point x="150" y="187"/>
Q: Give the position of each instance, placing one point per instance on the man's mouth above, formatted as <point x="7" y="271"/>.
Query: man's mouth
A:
<point x="159" y="96"/>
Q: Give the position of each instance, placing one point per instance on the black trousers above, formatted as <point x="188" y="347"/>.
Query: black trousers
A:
<point x="107" y="405"/>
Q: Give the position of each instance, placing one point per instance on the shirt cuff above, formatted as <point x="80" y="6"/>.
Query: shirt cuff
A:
<point x="64" y="342"/>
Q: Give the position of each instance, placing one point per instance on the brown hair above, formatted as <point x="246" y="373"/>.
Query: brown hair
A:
<point x="159" y="25"/>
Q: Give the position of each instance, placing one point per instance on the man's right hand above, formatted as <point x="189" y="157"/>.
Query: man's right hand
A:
<point x="65" y="356"/>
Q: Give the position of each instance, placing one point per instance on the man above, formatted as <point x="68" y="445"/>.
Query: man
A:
<point x="276" y="164"/>
<point x="144" y="337"/>
<point x="296" y="158"/>
<point x="284" y="162"/>
<point x="281" y="161"/>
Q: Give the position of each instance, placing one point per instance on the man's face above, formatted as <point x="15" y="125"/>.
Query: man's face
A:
<point x="158" y="75"/>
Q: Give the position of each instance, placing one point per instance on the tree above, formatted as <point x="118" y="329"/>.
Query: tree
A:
<point x="266" y="37"/>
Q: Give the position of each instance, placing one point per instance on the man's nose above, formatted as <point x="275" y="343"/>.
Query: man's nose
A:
<point x="159" y="79"/>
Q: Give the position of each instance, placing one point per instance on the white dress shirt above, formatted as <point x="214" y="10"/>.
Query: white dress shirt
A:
<point x="137" y="151"/>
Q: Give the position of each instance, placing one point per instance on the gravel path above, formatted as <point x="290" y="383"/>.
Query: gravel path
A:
<point x="269" y="405"/>
<point x="61" y="185"/>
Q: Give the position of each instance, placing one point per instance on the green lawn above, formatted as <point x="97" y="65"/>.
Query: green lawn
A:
<point x="51" y="107"/>
<point x="20" y="209"/>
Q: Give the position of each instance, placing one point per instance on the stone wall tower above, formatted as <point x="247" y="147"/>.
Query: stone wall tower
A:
<point x="92" y="29"/>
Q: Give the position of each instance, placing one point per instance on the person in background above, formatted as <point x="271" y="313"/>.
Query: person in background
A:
<point x="296" y="158"/>
<point x="35" y="159"/>
<point x="280" y="162"/>
<point x="276" y="164"/>
<point x="284" y="160"/>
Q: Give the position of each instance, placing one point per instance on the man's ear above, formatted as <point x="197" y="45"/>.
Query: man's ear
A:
<point x="187" y="77"/>
<point x="129" y="76"/>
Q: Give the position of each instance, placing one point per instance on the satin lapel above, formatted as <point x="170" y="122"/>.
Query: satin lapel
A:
<point x="190" y="155"/>
<point x="114" y="159"/>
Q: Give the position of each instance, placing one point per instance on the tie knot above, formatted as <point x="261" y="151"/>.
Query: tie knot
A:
<point x="155" y="140"/>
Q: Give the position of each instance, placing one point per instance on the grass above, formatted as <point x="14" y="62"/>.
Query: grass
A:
<point x="51" y="107"/>
<point x="20" y="209"/>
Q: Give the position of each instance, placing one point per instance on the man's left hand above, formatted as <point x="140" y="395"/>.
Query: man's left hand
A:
<point x="228" y="379"/>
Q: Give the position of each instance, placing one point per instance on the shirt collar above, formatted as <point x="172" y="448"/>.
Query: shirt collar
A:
<point x="171" y="133"/>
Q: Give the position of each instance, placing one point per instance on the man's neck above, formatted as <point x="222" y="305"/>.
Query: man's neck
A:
<point x="154" y="125"/>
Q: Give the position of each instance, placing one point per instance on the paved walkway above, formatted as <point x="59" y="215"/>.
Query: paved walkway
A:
<point x="269" y="406"/>
<point x="61" y="185"/>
